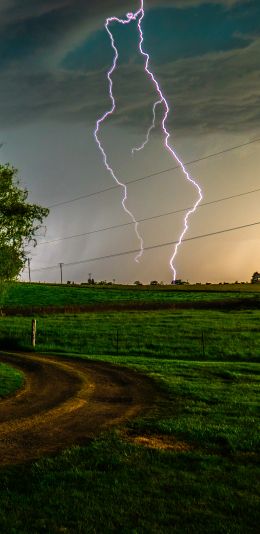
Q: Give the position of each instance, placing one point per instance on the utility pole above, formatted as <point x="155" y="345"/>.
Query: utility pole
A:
<point x="61" y="265"/>
<point x="29" y="268"/>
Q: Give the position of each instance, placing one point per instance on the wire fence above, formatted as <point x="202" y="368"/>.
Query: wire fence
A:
<point x="99" y="337"/>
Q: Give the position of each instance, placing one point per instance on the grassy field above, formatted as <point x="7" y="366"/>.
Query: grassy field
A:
<point x="10" y="380"/>
<point x="182" y="334"/>
<point x="206" y="482"/>
<point x="189" y="466"/>
<point x="25" y="295"/>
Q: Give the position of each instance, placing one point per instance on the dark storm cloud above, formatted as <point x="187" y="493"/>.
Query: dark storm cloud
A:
<point x="218" y="91"/>
<point x="17" y="10"/>
<point x="12" y="11"/>
<point x="213" y="92"/>
<point x="210" y="92"/>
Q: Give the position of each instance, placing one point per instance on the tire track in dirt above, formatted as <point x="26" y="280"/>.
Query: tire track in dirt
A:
<point x="66" y="402"/>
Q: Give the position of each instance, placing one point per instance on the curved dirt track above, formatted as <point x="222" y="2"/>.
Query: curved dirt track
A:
<point x="65" y="402"/>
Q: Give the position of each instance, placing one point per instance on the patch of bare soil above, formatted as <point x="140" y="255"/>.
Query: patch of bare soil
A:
<point x="161" y="442"/>
<point x="66" y="402"/>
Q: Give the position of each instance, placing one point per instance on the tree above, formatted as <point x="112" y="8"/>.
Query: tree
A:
<point x="255" y="278"/>
<point x="19" y="222"/>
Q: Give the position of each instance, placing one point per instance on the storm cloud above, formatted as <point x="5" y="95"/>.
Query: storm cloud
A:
<point x="54" y="57"/>
<point x="212" y="91"/>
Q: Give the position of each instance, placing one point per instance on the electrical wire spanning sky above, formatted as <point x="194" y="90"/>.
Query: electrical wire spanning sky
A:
<point x="132" y="17"/>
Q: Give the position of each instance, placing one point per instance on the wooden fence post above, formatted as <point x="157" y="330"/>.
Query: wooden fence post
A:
<point x="33" y="332"/>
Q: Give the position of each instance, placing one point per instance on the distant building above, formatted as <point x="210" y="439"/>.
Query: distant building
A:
<point x="255" y="278"/>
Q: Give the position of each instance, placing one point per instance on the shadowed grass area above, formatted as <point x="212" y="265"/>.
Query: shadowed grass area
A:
<point x="10" y="380"/>
<point x="110" y="486"/>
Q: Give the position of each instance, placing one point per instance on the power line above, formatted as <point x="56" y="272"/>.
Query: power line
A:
<point x="161" y="245"/>
<point x="148" y="218"/>
<point x="129" y="182"/>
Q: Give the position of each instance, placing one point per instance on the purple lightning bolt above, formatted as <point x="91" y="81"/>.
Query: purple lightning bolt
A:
<point x="103" y="118"/>
<point x="162" y="100"/>
<point x="138" y="149"/>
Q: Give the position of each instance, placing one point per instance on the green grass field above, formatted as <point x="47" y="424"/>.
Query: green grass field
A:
<point x="207" y="482"/>
<point x="10" y="380"/>
<point x="26" y="295"/>
<point x="181" y="334"/>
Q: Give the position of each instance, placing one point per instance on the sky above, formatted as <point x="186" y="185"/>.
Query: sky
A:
<point x="54" y="58"/>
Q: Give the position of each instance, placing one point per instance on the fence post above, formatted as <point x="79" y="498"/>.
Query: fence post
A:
<point x="33" y="332"/>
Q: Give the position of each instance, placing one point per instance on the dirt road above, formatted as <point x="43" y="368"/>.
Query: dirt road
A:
<point x="65" y="402"/>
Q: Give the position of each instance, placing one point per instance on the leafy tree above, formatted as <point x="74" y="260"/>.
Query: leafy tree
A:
<point x="255" y="278"/>
<point x="19" y="222"/>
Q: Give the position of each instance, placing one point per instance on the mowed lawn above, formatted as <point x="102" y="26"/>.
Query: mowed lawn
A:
<point x="189" y="465"/>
